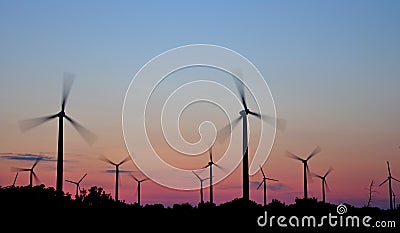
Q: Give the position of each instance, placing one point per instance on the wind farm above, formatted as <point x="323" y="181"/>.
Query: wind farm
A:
<point x="285" y="91"/>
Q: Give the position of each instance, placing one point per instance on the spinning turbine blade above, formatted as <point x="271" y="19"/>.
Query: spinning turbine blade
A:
<point x="125" y="160"/>
<point x="105" y="159"/>
<point x="315" y="151"/>
<point x="395" y="179"/>
<point x="31" y="123"/>
<point x="327" y="172"/>
<point x="327" y="186"/>
<point x="68" y="80"/>
<point x="293" y="156"/>
<point x="134" y="177"/>
<point x="85" y="133"/>
<point x="271" y="179"/>
<point x="37" y="180"/>
<point x="390" y="174"/>
<point x="82" y="178"/>
<point x="196" y="175"/>
<point x="262" y="172"/>
<point x="240" y="87"/>
<point x="226" y="130"/>
<point x="309" y="176"/>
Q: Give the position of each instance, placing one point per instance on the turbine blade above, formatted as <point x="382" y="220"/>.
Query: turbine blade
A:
<point x="143" y="179"/>
<point x="321" y="177"/>
<point x="271" y="179"/>
<point x="309" y="176"/>
<point x="196" y="175"/>
<point x="240" y="86"/>
<point x="70" y="181"/>
<point x="395" y="179"/>
<point x="293" y="156"/>
<point x="223" y="133"/>
<point x="17" y="169"/>
<point x="105" y="159"/>
<point x="37" y="180"/>
<point x="32" y="123"/>
<point x="126" y="159"/>
<point x="315" y="151"/>
<point x="82" y="178"/>
<point x="260" y="184"/>
<point x="262" y="171"/>
<point x="89" y="137"/>
<point x="390" y="174"/>
<point x="68" y="80"/>
<point x="279" y="123"/>
<point x="327" y="186"/>
<point x="384" y="182"/>
<point x="210" y="151"/>
<point x="133" y="177"/>
<point x="258" y="115"/>
<point x="36" y="162"/>
<point x="329" y="171"/>
<point x="220" y="167"/>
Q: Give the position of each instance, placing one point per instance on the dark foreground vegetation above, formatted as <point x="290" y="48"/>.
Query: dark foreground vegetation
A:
<point x="41" y="209"/>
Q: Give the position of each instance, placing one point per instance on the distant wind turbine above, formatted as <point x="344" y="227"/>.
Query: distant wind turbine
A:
<point x="306" y="169"/>
<point x="86" y="134"/>
<point x="15" y="179"/>
<point x="264" y="181"/>
<point x="138" y="186"/>
<point x="389" y="178"/>
<point x="324" y="183"/>
<point x="201" y="186"/>
<point x="210" y="164"/>
<point x="32" y="173"/>
<point x="77" y="183"/>
<point x="116" y="171"/>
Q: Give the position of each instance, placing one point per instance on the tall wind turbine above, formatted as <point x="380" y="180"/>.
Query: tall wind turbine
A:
<point x="264" y="181"/>
<point x="243" y="116"/>
<point x="389" y="178"/>
<point x="324" y="183"/>
<point x="201" y="186"/>
<point x="306" y="169"/>
<point x="32" y="173"/>
<point x="116" y="171"/>
<point x="138" y="186"/>
<point x="86" y="134"/>
<point x="211" y="164"/>
<point x="77" y="183"/>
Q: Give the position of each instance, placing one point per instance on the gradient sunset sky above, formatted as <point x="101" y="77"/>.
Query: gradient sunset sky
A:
<point x="333" y="68"/>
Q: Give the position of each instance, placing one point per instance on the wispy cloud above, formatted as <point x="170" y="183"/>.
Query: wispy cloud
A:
<point x="274" y="186"/>
<point x="120" y="171"/>
<point x="25" y="156"/>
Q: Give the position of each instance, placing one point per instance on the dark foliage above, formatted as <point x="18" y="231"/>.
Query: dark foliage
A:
<point x="42" y="209"/>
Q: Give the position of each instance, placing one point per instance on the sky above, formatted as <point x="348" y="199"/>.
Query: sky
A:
<point x="332" y="68"/>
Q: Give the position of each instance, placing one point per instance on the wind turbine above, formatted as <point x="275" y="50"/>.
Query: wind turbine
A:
<point x="210" y="164"/>
<point x="264" y="181"/>
<point x="389" y="178"/>
<point x="324" y="183"/>
<point x="201" y="186"/>
<point x="138" y="186"/>
<point x="32" y="173"/>
<point x="86" y="134"/>
<point x="306" y="169"/>
<point x="116" y="171"/>
<point x="243" y="116"/>
<point x="77" y="183"/>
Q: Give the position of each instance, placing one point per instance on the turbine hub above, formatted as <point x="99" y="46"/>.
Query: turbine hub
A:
<point x="243" y="112"/>
<point x="61" y="114"/>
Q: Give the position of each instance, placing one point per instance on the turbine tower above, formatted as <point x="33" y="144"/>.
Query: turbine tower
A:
<point x="306" y="169"/>
<point x="201" y="186"/>
<point x="389" y="178"/>
<point x="77" y="183"/>
<point x="32" y="173"/>
<point x="138" y="186"/>
<point x="324" y="183"/>
<point x="86" y="134"/>
<point x="264" y="181"/>
<point x="116" y="171"/>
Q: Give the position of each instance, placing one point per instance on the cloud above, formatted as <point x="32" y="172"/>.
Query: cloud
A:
<point x="274" y="186"/>
<point x="26" y="156"/>
<point x="120" y="171"/>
